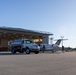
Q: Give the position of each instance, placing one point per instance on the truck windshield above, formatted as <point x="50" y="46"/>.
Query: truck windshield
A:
<point x="29" y="41"/>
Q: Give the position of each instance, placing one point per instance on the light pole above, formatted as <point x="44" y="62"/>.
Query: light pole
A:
<point x="62" y="39"/>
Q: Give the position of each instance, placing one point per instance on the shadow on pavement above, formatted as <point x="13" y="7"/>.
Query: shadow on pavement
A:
<point x="9" y="53"/>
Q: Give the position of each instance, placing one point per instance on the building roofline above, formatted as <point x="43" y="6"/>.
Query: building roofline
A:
<point x="25" y="30"/>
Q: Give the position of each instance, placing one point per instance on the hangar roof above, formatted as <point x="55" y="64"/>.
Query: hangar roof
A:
<point x="25" y="30"/>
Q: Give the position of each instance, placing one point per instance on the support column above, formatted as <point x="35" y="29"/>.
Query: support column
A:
<point x="45" y="40"/>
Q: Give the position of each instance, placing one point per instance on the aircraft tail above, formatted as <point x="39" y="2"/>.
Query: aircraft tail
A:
<point x="58" y="42"/>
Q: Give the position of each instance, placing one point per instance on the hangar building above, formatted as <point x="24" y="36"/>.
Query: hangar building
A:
<point x="8" y="34"/>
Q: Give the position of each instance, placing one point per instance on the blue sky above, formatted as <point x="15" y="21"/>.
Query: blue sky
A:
<point x="55" y="16"/>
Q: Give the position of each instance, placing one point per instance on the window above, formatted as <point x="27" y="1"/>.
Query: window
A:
<point x="29" y="41"/>
<point x="37" y="40"/>
<point x="16" y="42"/>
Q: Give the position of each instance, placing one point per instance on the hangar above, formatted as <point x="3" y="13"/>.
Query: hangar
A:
<point x="9" y="33"/>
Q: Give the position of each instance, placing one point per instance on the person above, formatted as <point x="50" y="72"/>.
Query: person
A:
<point x="43" y="48"/>
<point x="62" y="48"/>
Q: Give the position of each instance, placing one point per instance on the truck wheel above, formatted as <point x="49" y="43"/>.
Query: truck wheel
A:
<point x="13" y="50"/>
<point x="36" y="52"/>
<point x="27" y="51"/>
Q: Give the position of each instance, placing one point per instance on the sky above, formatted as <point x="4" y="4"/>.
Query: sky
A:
<point x="54" y="16"/>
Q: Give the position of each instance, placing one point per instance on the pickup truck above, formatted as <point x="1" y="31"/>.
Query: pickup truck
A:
<point x="23" y="45"/>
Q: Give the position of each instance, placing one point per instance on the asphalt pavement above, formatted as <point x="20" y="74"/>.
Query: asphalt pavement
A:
<point x="46" y="63"/>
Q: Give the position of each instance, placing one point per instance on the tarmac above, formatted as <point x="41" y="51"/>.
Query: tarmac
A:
<point x="46" y="63"/>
